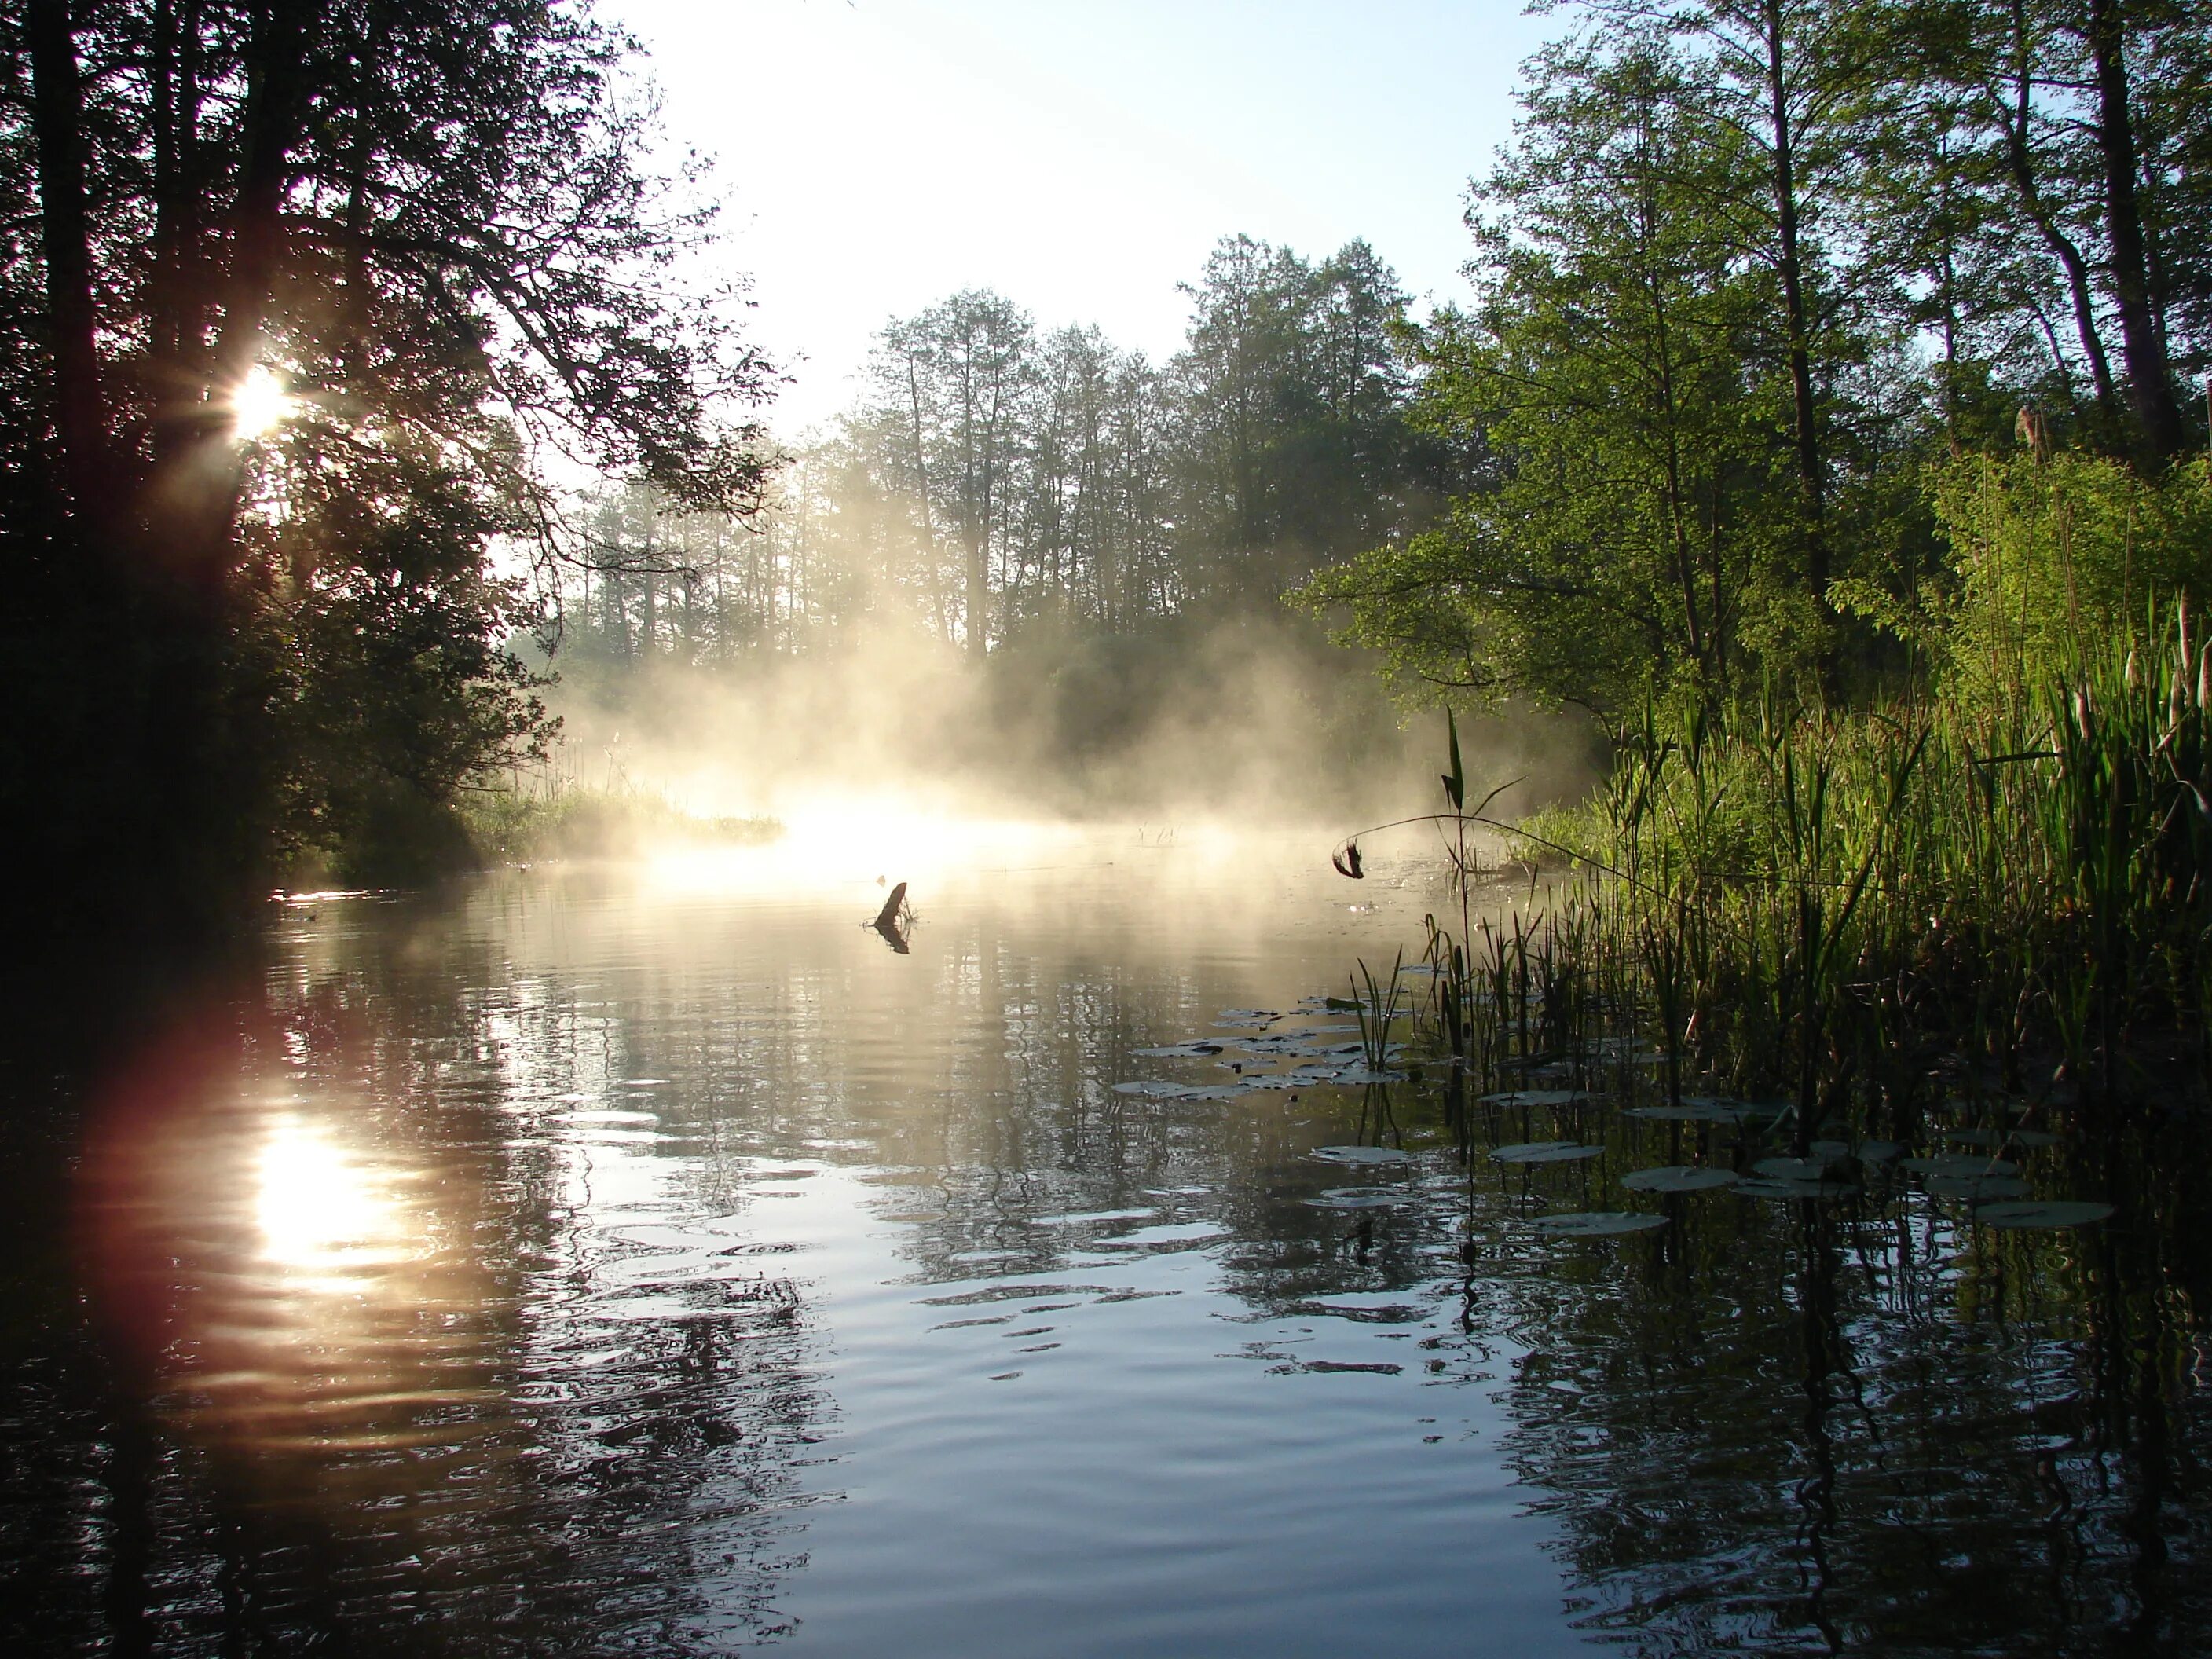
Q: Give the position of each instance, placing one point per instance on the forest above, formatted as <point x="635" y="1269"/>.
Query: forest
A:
<point x="1818" y="358"/>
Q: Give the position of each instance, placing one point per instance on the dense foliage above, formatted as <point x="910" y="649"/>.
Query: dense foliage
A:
<point x="419" y="246"/>
<point x="1755" y="280"/>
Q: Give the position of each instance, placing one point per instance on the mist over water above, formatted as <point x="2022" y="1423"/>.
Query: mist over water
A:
<point x="643" y="1257"/>
<point x="1241" y="725"/>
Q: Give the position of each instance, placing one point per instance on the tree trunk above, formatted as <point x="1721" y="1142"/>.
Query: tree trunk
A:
<point x="58" y="115"/>
<point x="2150" y="378"/>
<point x="209" y="483"/>
<point x="2020" y="163"/>
<point x="1812" y="492"/>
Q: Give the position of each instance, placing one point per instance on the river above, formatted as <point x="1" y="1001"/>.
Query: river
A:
<point x="649" y="1258"/>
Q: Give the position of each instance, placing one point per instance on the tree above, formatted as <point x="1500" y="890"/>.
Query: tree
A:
<point x="1636" y="535"/>
<point x="436" y="226"/>
<point x="951" y="382"/>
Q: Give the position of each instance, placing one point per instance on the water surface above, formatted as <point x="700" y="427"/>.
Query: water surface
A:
<point x="649" y="1259"/>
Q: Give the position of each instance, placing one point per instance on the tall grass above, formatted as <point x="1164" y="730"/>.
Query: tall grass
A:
<point x="1861" y="916"/>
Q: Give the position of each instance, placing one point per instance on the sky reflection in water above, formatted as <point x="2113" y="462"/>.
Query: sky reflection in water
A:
<point x="651" y="1261"/>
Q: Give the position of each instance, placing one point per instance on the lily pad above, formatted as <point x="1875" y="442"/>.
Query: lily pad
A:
<point x="1359" y="1077"/>
<point x="1978" y="1188"/>
<point x="1598" y="1224"/>
<point x="1678" y="1178"/>
<point x="1362" y="1154"/>
<point x="1540" y="1097"/>
<point x="1357" y="1197"/>
<point x="2047" y="1213"/>
<point x="1814" y="1170"/>
<point x="1770" y="1189"/>
<point x="1959" y="1164"/>
<point x="1879" y="1151"/>
<point x="1835" y="1151"/>
<point x="1546" y="1152"/>
<point x="1178" y="1050"/>
<point x="1298" y="1079"/>
<point x="1152" y="1089"/>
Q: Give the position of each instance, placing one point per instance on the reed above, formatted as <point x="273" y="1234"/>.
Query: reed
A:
<point x="1864" y="917"/>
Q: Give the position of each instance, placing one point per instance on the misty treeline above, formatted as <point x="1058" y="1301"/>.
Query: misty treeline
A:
<point x="998" y="484"/>
<point x="1816" y="345"/>
<point x="1818" y="349"/>
<point x="1069" y="560"/>
<point x="442" y="228"/>
<point x="1790" y="319"/>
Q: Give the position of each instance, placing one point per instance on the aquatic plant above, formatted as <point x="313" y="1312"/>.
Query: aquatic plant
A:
<point x="1905" y="928"/>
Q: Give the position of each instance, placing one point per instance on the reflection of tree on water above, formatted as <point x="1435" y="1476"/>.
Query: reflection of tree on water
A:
<point x="501" y="1436"/>
<point x="1750" y="1429"/>
<point x="1805" y="1450"/>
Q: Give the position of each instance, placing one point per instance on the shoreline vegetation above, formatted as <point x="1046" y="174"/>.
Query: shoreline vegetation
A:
<point x="515" y="825"/>
<point x="1818" y="427"/>
<point x="1983" y="919"/>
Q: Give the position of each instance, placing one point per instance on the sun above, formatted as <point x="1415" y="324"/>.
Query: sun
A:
<point x="259" y="405"/>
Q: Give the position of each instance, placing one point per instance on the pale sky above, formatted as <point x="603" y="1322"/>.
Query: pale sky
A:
<point x="1080" y="156"/>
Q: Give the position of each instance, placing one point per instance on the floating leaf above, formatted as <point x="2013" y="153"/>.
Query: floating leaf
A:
<point x="1178" y="1050"/>
<point x="1678" y="1178"/>
<point x="1297" y="1080"/>
<point x="1152" y="1089"/>
<point x="1356" y="1198"/>
<point x="1540" y="1097"/>
<point x="1361" y="1154"/>
<point x="2061" y="1213"/>
<point x="1359" y="1077"/>
<point x="1545" y="1152"/>
<point x="1959" y="1164"/>
<point x="1686" y="1113"/>
<point x="1780" y="1189"/>
<point x="1814" y="1170"/>
<point x="1879" y="1151"/>
<point x="1835" y="1151"/>
<point x="1977" y="1188"/>
<point x="1598" y="1224"/>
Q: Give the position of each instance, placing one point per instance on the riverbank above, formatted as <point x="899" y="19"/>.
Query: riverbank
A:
<point x="2006" y="900"/>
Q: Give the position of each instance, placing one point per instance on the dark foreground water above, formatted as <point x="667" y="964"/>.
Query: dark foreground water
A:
<point x="651" y="1260"/>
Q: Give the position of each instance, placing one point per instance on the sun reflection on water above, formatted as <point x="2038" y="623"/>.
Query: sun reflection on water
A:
<point x="320" y="1212"/>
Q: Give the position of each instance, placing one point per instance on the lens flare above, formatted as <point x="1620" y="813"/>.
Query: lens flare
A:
<point x="259" y="405"/>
